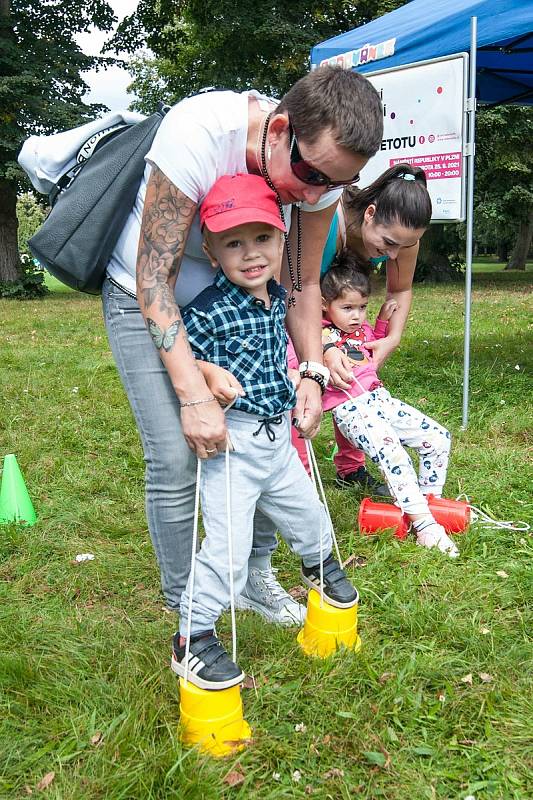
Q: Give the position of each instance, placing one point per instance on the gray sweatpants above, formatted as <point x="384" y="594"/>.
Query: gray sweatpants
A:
<point x="264" y="474"/>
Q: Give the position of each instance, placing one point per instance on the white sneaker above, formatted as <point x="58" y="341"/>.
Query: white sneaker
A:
<point x="265" y="595"/>
<point x="435" y="536"/>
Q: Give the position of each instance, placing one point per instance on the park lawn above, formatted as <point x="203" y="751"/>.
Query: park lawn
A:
<point x="438" y="703"/>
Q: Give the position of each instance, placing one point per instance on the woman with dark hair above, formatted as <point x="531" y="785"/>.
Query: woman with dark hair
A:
<point x="381" y="224"/>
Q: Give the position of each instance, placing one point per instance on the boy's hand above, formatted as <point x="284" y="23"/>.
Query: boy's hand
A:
<point x="222" y="384"/>
<point x="387" y="310"/>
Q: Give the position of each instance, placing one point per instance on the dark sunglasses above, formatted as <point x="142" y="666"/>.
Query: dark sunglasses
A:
<point x="308" y="174"/>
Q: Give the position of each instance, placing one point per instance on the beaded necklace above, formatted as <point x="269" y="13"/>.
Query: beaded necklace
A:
<point x="296" y="281"/>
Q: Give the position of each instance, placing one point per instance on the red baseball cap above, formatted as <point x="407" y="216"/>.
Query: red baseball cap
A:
<point x="237" y="199"/>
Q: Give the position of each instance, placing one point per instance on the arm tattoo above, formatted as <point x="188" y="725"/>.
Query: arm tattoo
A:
<point x="167" y="217"/>
<point x="163" y="339"/>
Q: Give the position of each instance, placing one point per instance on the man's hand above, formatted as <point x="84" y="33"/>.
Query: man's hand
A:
<point x="294" y="377"/>
<point x="204" y="428"/>
<point x="340" y="368"/>
<point x="222" y="384"/>
<point x="308" y="411"/>
<point x="381" y="349"/>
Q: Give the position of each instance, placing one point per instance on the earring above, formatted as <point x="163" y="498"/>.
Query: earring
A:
<point x="269" y="152"/>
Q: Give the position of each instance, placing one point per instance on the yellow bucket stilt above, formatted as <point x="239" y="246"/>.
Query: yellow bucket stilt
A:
<point x="326" y="628"/>
<point x="213" y="720"/>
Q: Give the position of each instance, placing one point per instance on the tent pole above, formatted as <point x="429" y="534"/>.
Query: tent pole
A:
<point x="471" y="108"/>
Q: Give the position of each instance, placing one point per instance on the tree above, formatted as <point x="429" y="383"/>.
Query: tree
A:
<point x="30" y="217"/>
<point x="504" y="180"/>
<point x="235" y="44"/>
<point x="40" y="90"/>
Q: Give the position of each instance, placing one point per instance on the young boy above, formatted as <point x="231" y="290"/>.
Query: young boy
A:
<point x="238" y="323"/>
<point x="368" y="417"/>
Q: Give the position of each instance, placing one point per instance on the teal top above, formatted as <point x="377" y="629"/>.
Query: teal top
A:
<point x="330" y="249"/>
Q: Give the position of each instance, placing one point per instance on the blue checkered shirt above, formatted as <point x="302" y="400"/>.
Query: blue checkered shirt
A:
<point x="233" y="329"/>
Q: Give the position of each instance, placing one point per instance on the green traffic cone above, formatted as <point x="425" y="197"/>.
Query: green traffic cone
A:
<point x="15" y="503"/>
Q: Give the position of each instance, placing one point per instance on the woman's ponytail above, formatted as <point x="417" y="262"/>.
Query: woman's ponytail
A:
<point x="400" y="195"/>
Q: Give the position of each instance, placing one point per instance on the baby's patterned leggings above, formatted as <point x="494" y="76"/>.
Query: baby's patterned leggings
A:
<point x="382" y="425"/>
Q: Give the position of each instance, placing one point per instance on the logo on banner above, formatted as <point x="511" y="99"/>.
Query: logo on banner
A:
<point x="363" y="55"/>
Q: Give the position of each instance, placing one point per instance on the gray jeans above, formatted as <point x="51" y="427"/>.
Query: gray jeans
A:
<point x="170" y="465"/>
<point x="266" y="473"/>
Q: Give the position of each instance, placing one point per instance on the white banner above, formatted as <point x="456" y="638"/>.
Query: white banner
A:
<point x="424" y="108"/>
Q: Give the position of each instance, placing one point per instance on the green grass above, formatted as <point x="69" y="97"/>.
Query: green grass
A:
<point x="84" y="647"/>
<point x="490" y="264"/>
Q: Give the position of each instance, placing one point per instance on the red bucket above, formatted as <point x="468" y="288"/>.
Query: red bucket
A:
<point x="377" y="517"/>
<point x="453" y="515"/>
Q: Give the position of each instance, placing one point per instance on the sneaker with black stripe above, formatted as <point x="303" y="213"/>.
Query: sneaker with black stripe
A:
<point x="338" y="591"/>
<point x="210" y="667"/>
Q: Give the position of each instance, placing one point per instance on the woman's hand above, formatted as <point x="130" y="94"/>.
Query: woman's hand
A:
<point x="204" y="428"/>
<point x="308" y="411"/>
<point x="381" y="349"/>
<point x="222" y="384"/>
<point x="340" y="368"/>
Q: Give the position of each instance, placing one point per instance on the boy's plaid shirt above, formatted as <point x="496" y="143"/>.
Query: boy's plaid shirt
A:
<point x="233" y="329"/>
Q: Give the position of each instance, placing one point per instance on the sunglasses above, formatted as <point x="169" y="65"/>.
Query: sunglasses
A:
<point x="308" y="174"/>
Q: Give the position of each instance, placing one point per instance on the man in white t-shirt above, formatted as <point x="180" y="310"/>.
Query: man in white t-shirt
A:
<point x="309" y="146"/>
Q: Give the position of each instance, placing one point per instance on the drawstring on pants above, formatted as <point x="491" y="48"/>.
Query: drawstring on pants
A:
<point x="267" y="423"/>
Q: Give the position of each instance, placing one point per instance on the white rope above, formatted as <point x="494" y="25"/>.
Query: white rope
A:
<point x="230" y="559"/>
<point x="230" y="544"/>
<point x="486" y="521"/>
<point x="309" y="449"/>
<point x="193" y="567"/>
<point x="193" y="556"/>
<point x="315" y="471"/>
<point x="315" y="477"/>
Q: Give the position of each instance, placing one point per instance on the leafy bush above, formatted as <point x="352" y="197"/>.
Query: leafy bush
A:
<point x="31" y="284"/>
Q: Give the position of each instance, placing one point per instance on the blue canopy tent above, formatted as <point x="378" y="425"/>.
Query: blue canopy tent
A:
<point x="499" y="36"/>
<point x="426" y="29"/>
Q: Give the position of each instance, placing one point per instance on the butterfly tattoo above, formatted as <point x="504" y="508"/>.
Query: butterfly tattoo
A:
<point x="164" y="339"/>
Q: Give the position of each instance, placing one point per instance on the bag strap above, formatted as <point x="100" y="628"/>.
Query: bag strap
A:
<point x="89" y="148"/>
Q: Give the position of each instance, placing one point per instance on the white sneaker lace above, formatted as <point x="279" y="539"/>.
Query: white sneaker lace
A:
<point x="272" y="585"/>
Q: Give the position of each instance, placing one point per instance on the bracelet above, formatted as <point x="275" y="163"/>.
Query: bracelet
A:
<point x="316" y="378"/>
<point x="198" y="402"/>
<point x="316" y="368"/>
<point x="328" y="346"/>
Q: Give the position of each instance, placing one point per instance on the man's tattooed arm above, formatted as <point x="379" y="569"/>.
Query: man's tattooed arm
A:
<point x="167" y="218"/>
<point x="163" y="339"/>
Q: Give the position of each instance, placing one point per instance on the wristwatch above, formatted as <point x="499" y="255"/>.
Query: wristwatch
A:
<point x="314" y="368"/>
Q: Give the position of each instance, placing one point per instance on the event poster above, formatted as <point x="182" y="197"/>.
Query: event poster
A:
<point x="424" y="116"/>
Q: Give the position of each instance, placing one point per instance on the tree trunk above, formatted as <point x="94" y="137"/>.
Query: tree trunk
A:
<point x="523" y="243"/>
<point x="10" y="267"/>
<point x="502" y="250"/>
<point x="433" y="262"/>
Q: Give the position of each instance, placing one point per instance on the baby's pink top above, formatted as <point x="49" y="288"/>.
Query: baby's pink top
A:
<point x="364" y="370"/>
